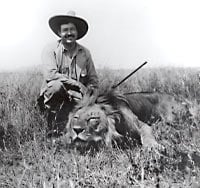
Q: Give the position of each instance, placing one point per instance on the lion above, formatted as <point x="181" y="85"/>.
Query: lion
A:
<point x="107" y="119"/>
<point x="153" y="107"/>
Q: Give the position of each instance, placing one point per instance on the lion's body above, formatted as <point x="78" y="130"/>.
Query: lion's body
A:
<point x="152" y="107"/>
<point x="144" y="105"/>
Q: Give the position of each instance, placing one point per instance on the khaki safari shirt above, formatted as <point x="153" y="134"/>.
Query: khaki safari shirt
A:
<point x="79" y="67"/>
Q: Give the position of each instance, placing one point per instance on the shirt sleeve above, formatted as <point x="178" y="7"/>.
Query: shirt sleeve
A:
<point x="93" y="80"/>
<point x="50" y="69"/>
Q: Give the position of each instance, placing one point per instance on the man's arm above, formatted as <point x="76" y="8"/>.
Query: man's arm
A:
<point x="50" y="69"/>
<point x="93" y="80"/>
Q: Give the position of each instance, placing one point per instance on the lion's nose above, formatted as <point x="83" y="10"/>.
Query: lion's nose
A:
<point x="78" y="130"/>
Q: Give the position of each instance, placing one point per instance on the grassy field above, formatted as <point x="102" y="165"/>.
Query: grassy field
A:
<point x="28" y="160"/>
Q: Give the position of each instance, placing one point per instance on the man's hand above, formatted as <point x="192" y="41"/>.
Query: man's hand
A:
<point x="71" y="84"/>
<point x="74" y="94"/>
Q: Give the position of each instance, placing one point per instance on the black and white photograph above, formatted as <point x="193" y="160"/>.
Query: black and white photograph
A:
<point x="100" y="94"/>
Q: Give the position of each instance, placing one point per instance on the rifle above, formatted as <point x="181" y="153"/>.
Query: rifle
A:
<point x="114" y="86"/>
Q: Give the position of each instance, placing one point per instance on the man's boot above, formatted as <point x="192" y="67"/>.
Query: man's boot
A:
<point x="51" y="128"/>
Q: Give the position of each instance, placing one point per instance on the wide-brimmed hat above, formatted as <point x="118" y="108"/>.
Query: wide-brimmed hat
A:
<point x="56" y="21"/>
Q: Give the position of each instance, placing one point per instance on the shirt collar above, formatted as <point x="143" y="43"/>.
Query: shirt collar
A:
<point x="78" y="47"/>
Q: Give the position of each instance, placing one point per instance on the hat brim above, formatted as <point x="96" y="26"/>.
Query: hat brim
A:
<point x="56" y="21"/>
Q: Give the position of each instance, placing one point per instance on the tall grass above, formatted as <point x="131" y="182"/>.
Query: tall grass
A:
<point x="28" y="160"/>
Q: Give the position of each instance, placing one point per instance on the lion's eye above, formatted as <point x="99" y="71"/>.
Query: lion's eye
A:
<point x="93" y="124"/>
<point x="93" y="121"/>
<point x="75" y="118"/>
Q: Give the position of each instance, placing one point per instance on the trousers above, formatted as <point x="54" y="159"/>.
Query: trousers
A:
<point x="58" y="91"/>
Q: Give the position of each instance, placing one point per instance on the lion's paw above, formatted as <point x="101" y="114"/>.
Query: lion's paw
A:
<point x="152" y="144"/>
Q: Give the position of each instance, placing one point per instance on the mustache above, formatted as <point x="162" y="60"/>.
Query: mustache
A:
<point x="71" y="35"/>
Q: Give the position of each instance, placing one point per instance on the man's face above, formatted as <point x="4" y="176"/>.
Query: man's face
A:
<point x="68" y="33"/>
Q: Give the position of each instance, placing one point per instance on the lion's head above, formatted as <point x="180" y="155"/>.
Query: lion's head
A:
<point x="102" y="120"/>
<point x="91" y="125"/>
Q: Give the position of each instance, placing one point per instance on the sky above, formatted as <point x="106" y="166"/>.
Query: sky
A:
<point x="122" y="33"/>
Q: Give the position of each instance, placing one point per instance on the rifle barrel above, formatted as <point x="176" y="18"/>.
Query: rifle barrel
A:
<point x="113" y="87"/>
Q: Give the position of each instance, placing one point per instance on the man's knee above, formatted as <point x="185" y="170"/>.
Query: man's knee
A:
<point x="54" y="93"/>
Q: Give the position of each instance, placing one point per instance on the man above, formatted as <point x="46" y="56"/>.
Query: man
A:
<point x="69" y="70"/>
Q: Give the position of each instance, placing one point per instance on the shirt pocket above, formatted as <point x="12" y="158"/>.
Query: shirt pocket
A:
<point x="83" y="76"/>
<point x="83" y="73"/>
